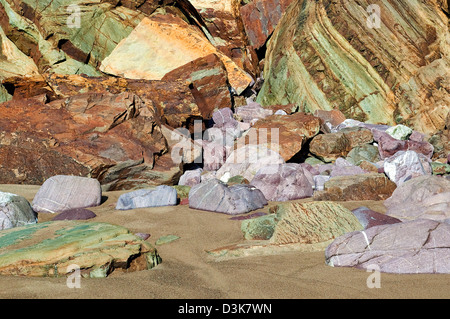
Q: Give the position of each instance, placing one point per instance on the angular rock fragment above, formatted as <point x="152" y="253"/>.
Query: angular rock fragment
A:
<point x="162" y="195"/>
<point x="15" y="211"/>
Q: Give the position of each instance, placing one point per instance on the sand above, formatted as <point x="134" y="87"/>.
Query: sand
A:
<point x="189" y="272"/>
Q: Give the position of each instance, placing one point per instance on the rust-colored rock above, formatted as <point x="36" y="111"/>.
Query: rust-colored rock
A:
<point x="260" y="17"/>
<point x="100" y="135"/>
<point x="207" y="80"/>
<point x="285" y="134"/>
<point x="357" y="187"/>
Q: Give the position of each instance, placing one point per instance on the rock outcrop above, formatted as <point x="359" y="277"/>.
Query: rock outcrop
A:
<point x="340" y="55"/>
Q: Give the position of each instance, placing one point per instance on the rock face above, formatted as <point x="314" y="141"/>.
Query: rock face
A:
<point x="63" y="192"/>
<point x="162" y="195"/>
<point x="357" y="187"/>
<point x="216" y="196"/>
<point x="421" y="197"/>
<point x="284" y="182"/>
<point x="312" y="222"/>
<point x="419" y="246"/>
<point x="15" y="211"/>
<point x="260" y="17"/>
<point x="48" y="249"/>
<point x="319" y="58"/>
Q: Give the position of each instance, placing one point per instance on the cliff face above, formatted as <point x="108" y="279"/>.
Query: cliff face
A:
<point x="387" y="68"/>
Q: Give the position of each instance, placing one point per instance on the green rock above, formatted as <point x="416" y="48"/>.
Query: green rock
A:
<point x="365" y="152"/>
<point x="313" y="161"/>
<point x="259" y="228"/>
<point x="48" y="249"/>
<point x="182" y="191"/>
<point x="440" y="168"/>
<point x="400" y="132"/>
<point x="238" y="179"/>
<point x="166" y="239"/>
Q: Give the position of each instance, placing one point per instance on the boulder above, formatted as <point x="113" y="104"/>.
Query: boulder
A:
<point x="285" y="134"/>
<point x="63" y="192"/>
<point x="75" y="214"/>
<point x="15" y="211"/>
<point x="370" y="186"/>
<point x="380" y="88"/>
<point x="366" y="152"/>
<point x="214" y="155"/>
<point x="191" y="177"/>
<point x="162" y="195"/>
<point x="388" y="146"/>
<point x="421" y="197"/>
<point x="283" y="182"/>
<point x="207" y="78"/>
<point x="331" y="146"/>
<point x="247" y="160"/>
<point x="49" y="249"/>
<point x="163" y="43"/>
<point x="369" y="218"/>
<point x="259" y="228"/>
<point x="312" y="222"/>
<point x="405" y="165"/>
<point x="216" y="196"/>
<point x="413" y="247"/>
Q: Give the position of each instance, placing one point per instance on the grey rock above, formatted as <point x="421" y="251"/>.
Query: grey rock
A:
<point x="419" y="246"/>
<point x="162" y="195"/>
<point x="63" y="192"/>
<point x="283" y="182"/>
<point x="15" y="211"/>
<point x="191" y="177"/>
<point x="214" y="195"/>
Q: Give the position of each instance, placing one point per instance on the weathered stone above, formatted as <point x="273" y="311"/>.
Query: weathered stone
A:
<point x="15" y="211"/>
<point x="312" y="222"/>
<point x="246" y="161"/>
<point x="181" y="146"/>
<point x="259" y="228"/>
<point x="329" y="147"/>
<point x="162" y="195"/>
<point x="63" y="192"/>
<point x="388" y="146"/>
<point x="235" y="180"/>
<point x="166" y="239"/>
<point x="75" y="214"/>
<point x="357" y="187"/>
<point x="216" y="196"/>
<point x="214" y="155"/>
<point x="285" y="134"/>
<point x="405" y="165"/>
<point x="420" y="197"/>
<point x="390" y="81"/>
<point x="283" y="182"/>
<point x="420" y="246"/>
<point x="342" y="168"/>
<point x="369" y="218"/>
<point x="49" y="249"/>
<point x="440" y="168"/>
<point x="366" y="152"/>
<point x="330" y="119"/>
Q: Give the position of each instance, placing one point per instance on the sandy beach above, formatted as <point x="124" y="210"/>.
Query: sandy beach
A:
<point x="188" y="271"/>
